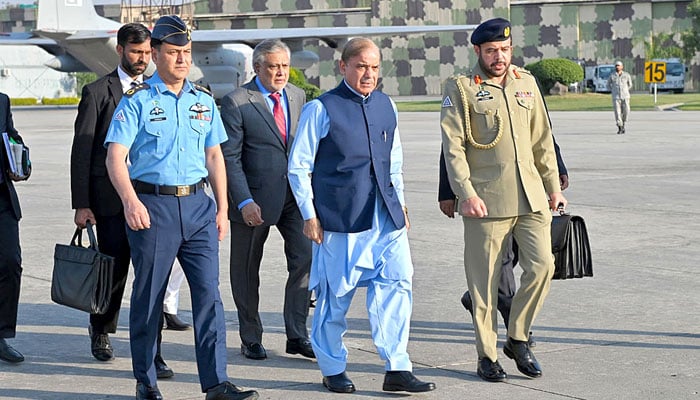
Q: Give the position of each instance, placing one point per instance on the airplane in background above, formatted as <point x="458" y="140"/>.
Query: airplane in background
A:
<point x="83" y="41"/>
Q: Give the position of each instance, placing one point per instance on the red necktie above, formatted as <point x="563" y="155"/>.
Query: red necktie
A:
<point x="279" y="115"/>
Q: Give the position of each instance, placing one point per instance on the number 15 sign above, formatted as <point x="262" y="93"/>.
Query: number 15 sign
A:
<point x="654" y="72"/>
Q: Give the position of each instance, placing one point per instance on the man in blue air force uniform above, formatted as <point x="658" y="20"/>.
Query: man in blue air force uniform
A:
<point x="345" y="172"/>
<point x="171" y="131"/>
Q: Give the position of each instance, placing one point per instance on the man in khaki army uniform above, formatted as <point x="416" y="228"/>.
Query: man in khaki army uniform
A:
<point x="502" y="167"/>
<point x="620" y="84"/>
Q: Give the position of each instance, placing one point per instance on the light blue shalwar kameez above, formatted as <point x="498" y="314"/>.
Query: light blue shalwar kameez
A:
<point x="378" y="259"/>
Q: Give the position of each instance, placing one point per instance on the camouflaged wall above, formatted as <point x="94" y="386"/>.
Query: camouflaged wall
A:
<point x="594" y="31"/>
<point x="417" y="64"/>
<point x="597" y="33"/>
<point x="412" y="65"/>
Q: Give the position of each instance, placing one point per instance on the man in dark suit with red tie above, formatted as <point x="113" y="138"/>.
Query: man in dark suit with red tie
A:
<point x="10" y="253"/>
<point x="93" y="196"/>
<point x="260" y="118"/>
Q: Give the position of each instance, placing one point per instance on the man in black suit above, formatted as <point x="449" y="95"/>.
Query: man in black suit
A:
<point x="260" y="119"/>
<point x="10" y="253"/>
<point x="93" y="196"/>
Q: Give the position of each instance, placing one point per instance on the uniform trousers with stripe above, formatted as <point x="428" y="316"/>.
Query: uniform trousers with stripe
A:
<point x="182" y="228"/>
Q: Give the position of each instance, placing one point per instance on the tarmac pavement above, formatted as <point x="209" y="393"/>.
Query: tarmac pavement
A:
<point x="630" y="332"/>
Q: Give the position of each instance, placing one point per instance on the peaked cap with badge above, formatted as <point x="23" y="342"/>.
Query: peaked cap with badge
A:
<point x="171" y="29"/>
<point x="493" y="30"/>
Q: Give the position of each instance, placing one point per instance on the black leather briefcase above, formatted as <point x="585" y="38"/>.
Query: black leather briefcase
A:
<point x="571" y="248"/>
<point x="82" y="276"/>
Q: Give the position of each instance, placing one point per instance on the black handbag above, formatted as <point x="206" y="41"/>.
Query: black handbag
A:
<point x="82" y="276"/>
<point x="571" y="248"/>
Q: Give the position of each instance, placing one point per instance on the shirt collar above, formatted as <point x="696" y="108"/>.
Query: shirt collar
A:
<point x="263" y="90"/>
<point x="159" y="85"/>
<point x="364" y="98"/>
<point x="126" y="80"/>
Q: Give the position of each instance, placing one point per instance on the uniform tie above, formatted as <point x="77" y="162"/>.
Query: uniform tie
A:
<point x="134" y="84"/>
<point x="279" y="115"/>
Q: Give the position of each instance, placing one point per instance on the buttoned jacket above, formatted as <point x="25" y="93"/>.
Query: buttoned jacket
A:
<point x="90" y="184"/>
<point x="255" y="153"/>
<point x="514" y="176"/>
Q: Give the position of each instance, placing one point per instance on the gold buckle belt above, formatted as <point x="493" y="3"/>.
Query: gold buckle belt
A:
<point x="177" y="191"/>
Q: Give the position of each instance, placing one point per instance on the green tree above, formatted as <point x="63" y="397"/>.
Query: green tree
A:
<point x="691" y="37"/>
<point x="82" y="79"/>
<point x="297" y="78"/>
<point x="553" y="70"/>
<point x="662" y="45"/>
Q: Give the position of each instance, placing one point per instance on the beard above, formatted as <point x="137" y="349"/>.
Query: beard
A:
<point x="495" y="69"/>
<point x="135" y="69"/>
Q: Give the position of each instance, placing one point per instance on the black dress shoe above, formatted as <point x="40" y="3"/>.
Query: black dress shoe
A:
<point x="229" y="391"/>
<point x="144" y="392"/>
<point x="300" y="346"/>
<point x="524" y="359"/>
<point x="405" y="381"/>
<point x="467" y="303"/>
<point x="173" y="323"/>
<point x="162" y="369"/>
<point x="100" y="346"/>
<point x="339" y="383"/>
<point x="491" y="371"/>
<point x="9" y="354"/>
<point x="254" y="351"/>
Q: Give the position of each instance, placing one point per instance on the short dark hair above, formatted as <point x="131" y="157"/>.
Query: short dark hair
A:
<point x="132" y="33"/>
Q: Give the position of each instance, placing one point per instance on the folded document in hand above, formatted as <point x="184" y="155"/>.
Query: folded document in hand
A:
<point x="17" y="156"/>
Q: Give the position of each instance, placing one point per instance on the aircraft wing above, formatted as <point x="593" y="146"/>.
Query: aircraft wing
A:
<point x="330" y="35"/>
<point x="24" y="39"/>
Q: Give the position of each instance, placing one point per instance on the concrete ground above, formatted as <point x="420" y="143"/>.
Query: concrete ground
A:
<point x="630" y="332"/>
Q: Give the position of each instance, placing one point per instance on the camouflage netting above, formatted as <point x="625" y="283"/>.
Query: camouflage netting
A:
<point x="592" y="31"/>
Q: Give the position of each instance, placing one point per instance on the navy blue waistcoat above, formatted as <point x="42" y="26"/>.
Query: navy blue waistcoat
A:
<point x="354" y="160"/>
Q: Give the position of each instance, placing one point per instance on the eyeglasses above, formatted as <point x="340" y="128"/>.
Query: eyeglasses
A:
<point x="490" y="51"/>
<point x="276" y="67"/>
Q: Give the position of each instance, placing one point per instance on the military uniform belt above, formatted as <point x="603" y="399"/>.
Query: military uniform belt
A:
<point x="178" y="191"/>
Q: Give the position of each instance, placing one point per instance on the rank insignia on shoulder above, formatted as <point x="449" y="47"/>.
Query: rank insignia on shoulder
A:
<point x="446" y="102"/>
<point x="135" y="89"/>
<point x="203" y="89"/>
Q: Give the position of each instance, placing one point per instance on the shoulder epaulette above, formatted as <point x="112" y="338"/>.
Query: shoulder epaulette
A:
<point x="523" y="71"/>
<point x="203" y="89"/>
<point x="135" y="89"/>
